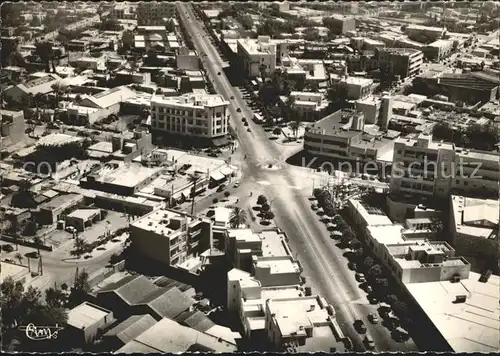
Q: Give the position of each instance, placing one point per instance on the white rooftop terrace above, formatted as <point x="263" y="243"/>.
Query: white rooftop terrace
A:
<point x="472" y="326"/>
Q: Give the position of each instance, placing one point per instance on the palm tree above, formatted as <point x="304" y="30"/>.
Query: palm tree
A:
<point x="238" y="217"/>
<point x="38" y="241"/>
<point x="79" y="247"/>
<point x="193" y="178"/>
<point x="295" y="125"/>
<point x="19" y="257"/>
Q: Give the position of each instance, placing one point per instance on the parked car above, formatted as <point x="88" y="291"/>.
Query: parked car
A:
<point x="213" y="154"/>
<point x="352" y="265"/>
<point x="368" y="341"/>
<point x="369" y="289"/>
<point x="238" y="110"/>
<point x="7" y="248"/>
<point x="360" y="277"/>
<point x="360" y="326"/>
<point x="373" y="318"/>
<point x="221" y="188"/>
<point x="348" y="343"/>
<point x="28" y="130"/>
<point x="237" y="184"/>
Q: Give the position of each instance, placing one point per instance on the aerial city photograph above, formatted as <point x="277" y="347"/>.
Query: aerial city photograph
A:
<point x="231" y="177"/>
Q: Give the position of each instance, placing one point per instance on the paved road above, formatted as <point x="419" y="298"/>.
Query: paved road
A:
<point x="325" y="267"/>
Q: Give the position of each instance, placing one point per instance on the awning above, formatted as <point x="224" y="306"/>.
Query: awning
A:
<point x="222" y="141"/>
<point x="217" y="176"/>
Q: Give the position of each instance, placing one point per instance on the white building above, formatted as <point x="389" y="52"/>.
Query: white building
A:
<point x="259" y="54"/>
<point x="357" y="88"/>
<point x="190" y="115"/>
<point x="432" y="168"/>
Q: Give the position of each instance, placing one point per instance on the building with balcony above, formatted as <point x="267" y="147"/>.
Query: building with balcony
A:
<point x="168" y="237"/>
<point x="428" y="168"/>
<point x="343" y="135"/>
<point x="257" y="56"/>
<point x="190" y="115"/>
<point x="402" y="62"/>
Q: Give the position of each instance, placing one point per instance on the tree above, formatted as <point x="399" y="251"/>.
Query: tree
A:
<point x="127" y="39"/>
<point x="368" y="262"/>
<point x="295" y="125"/>
<point x="355" y="244"/>
<point x="246" y="21"/>
<point x="277" y="131"/>
<point x="347" y="236"/>
<point x="82" y="282"/>
<point x="238" y="217"/>
<point x="375" y="271"/>
<point x="359" y="252"/>
<point x="79" y="247"/>
<point x="54" y="298"/>
<point x="443" y="131"/>
<point x="227" y="194"/>
<point x="45" y="52"/>
<point x="215" y="200"/>
<point x="391" y="299"/>
<point x="261" y="200"/>
<point x="400" y="309"/>
<point x="19" y="257"/>
<point x="269" y="215"/>
<point x="265" y="207"/>
<point x="437" y="225"/>
<point x="10" y="300"/>
<point x="24" y="197"/>
<point x="193" y="178"/>
<point x="382" y="282"/>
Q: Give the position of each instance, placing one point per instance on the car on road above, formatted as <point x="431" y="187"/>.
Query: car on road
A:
<point x="238" y="110"/>
<point x="369" y="343"/>
<point x="360" y="326"/>
<point x="237" y="184"/>
<point x="360" y="277"/>
<point x="373" y="318"/>
<point x="245" y="123"/>
<point x="243" y="119"/>
<point x="348" y="343"/>
<point x="248" y="130"/>
<point x="232" y="96"/>
<point x="218" y="73"/>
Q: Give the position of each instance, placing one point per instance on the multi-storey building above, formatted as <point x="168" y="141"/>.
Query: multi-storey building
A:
<point x="191" y="115"/>
<point x="155" y="12"/>
<point x="357" y="88"/>
<point x="260" y="55"/>
<point x="169" y="237"/>
<point x="424" y="33"/>
<point x="438" y="169"/>
<point x="309" y="105"/>
<point x="342" y="24"/>
<point x="405" y="62"/>
<point x="438" y="50"/>
<point x="341" y="135"/>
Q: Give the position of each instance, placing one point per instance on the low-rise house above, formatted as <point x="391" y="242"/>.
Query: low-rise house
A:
<point x="87" y="321"/>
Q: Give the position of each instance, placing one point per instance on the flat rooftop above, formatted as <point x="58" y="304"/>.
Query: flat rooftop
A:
<point x="472" y="326"/>
<point x="273" y="244"/>
<point x="190" y="100"/>
<point x="128" y="175"/>
<point x="160" y="222"/>
<point x="278" y="266"/>
<point x="469" y="225"/>
<point x="86" y="315"/>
